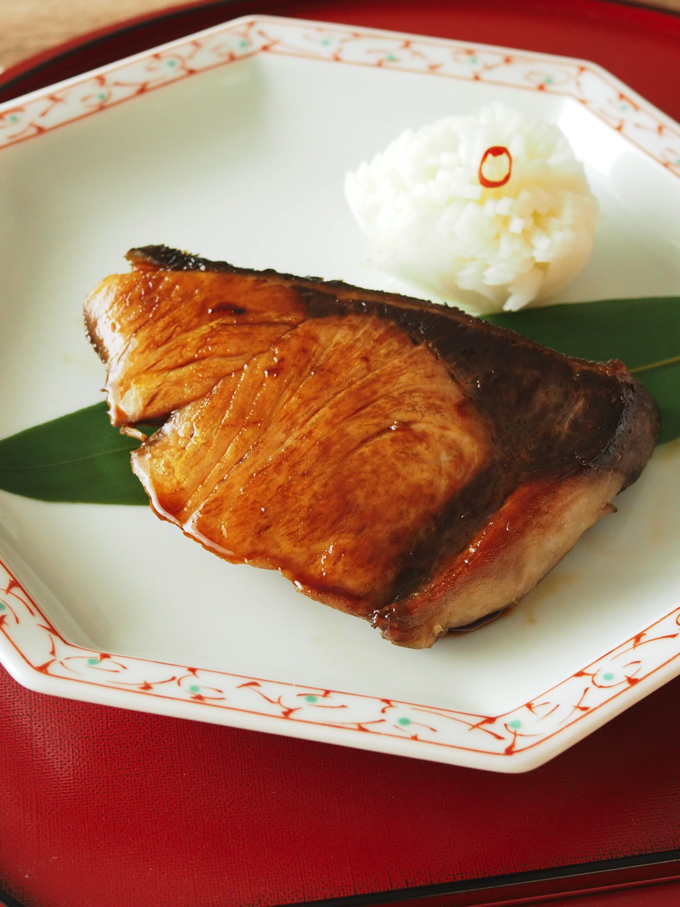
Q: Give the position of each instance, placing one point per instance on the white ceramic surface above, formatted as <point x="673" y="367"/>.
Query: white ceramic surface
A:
<point x="234" y="144"/>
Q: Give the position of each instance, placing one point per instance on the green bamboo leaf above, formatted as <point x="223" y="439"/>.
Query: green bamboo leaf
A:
<point x="79" y="458"/>
<point x="639" y="332"/>
<point x="643" y="333"/>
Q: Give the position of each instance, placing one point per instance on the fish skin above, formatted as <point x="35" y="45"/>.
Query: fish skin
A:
<point x="396" y="459"/>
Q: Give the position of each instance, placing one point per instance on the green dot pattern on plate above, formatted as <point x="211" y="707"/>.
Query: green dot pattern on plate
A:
<point x="608" y="676"/>
<point x="194" y="688"/>
<point x="93" y="661"/>
<point x="474" y="60"/>
<point x="13" y="118"/>
<point x="311" y="698"/>
<point x="3" y="606"/>
<point x="404" y="721"/>
<point x="548" y="80"/>
<point x="326" y="42"/>
<point x="172" y="62"/>
<point x="101" y="96"/>
<point x="515" y="724"/>
<point x="391" y="58"/>
<point x="243" y="43"/>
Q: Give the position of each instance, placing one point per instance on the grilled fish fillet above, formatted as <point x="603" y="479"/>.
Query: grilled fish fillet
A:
<point x="397" y="460"/>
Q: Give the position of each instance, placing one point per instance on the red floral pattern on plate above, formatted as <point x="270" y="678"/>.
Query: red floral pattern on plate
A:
<point x="601" y="93"/>
<point x="527" y="734"/>
<point x="46" y="652"/>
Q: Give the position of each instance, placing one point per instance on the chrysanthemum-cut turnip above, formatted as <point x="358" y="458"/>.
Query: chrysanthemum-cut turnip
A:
<point x="490" y="211"/>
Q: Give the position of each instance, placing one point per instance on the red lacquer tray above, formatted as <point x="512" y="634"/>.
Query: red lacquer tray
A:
<point x="108" y="806"/>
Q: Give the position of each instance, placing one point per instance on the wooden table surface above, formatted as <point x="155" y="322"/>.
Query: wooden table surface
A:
<point x="30" y="26"/>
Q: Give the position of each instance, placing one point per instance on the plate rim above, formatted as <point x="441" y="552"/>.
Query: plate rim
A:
<point x="518" y="755"/>
<point x="663" y="125"/>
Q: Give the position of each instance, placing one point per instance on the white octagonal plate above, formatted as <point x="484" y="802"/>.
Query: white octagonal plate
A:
<point x="234" y="143"/>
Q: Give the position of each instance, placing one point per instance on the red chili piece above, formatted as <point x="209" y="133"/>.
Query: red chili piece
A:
<point x="495" y="151"/>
